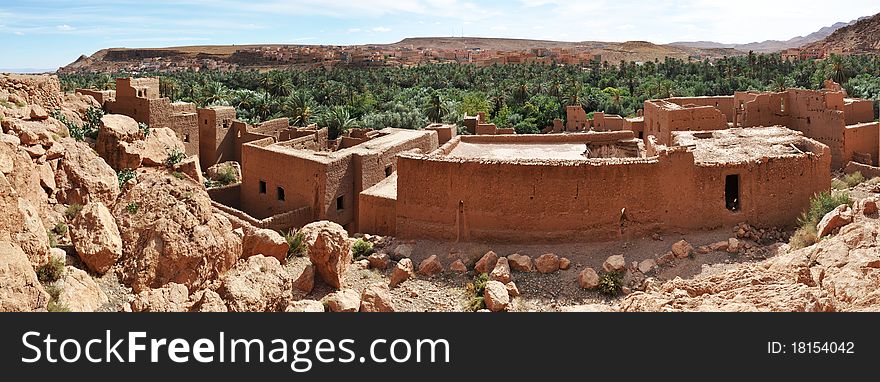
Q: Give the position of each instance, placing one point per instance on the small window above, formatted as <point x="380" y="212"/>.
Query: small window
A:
<point x="280" y="192"/>
<point x="262" y="187"/>
<point x="340" y="203"/>
<point x="186" y="138"/>
<point x="809" y="121"/>
<point x="206" y="121"/>
<point x="388" y="170"/>
<point x="731" y="193"/>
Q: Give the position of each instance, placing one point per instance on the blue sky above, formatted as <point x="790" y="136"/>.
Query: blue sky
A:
<point x="52" y="33"/>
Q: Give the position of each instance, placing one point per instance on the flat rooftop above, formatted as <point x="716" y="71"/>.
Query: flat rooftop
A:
<point x="509" y="150"/>
<point x="742" y="144"/>
<point x="540" y="147"/>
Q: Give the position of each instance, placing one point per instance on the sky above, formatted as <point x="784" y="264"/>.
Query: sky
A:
<point x="47" y="34"/>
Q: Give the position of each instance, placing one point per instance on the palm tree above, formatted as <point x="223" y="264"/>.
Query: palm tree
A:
<point x="299" y="108"/>
<point x="337" y="120"/>
<point x="436" y="108"/>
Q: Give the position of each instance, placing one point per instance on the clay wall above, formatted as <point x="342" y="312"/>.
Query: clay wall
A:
<point x="444" y="132"/>
<point x="636" y="125"/>
<point x="863" y="138"/>
<point x="101" y="96"/>
<point x="216" y="145"/>
<point x="543" y="201"/>
<point x="576" y="119"/>
<point x="607" y="122"/>
<point x="227" y="195"/>
<point x="858" y="111"/>
<point x="722" y="103"/>
<point x="662" y="118"/>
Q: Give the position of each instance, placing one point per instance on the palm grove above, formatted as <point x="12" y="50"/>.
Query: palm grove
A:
<point x="526" y="97"/>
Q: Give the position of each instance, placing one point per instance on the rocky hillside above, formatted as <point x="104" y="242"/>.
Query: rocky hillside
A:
<point x="861" y="37"/>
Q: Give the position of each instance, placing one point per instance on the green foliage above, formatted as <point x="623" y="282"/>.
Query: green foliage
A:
<point x="53" y="238"/>
<point x="132" y="208"/>
<point x="820" y="205"/>
<point x="610" y="283"/>
<point x="476" y="290"/>
<point x="296" y="243"/>
<point x="361" y="248"/>
<point x="179" y="175"/>
<point x="51" y="271"/>
<point x="852" y="180"/>
<point x="175" y="156"/>
<point x="72" y="210"/>
<point x="227" y="176"/>
<point x="60" y="229"/>
<point x="144" y="128"/>
<point x="53" y="305"/>
<point x="125" y="175"/>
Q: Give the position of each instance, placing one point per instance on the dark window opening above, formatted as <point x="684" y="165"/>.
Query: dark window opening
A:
<point x="186" y="138"/>
<point x="262" y="187"/>
<point x="388" y="170"/>
<point x="809" y="120"/>
<point x="206" y="121"/>
<point x="641" y="135"/>
<point x="280" y="194"/>
<point x="731" y="192"/>
<point x="340" y="203"/>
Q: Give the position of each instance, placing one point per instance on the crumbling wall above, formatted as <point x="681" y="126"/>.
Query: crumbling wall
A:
<point x="444" y="132"/>
<point x="102" y="96"/>
<point x="377" y="212"/>
<point x="862" y="140"/>
<point x="576" y="119"/>
<point x="722" y="103"/>
<point x="216" y="144"/>
<point x="858" y="111"/>
<point x="662" y="118"/>
<point x="229" y="196"/>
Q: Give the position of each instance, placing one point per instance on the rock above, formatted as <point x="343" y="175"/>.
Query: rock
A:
<point x="264" y="242"/>
<point x="564" y="263"/>
<point x="219" y="170"/>
<point x="867" y="206"/>
<point x="79" y="292"/>
<point x="430" y="267"/>
<point x="345" y="300"/>
<point x="719" y="246"/>
<point x="95" y="236"/>
<point x="306" y="280"/>
<point x="20" y="224"/>
<point x="733" y="245"/>
<point x="305" y="306"/>
<point x="486" y="263"/>
<point x="83" y="177"/>
<point x="703" y="249"/>
<point x="377" y="298"/>
<point x="38" y="113"/>
<point x="362" y="264"/>
<point x="495" y="296"/>
<point x="190" y="167"/>
<point x="547" y="263"/>
<point x="172" y="297"/>
<point x="378" y="260"/>
<point x="512" y="290"/>
<point x="682" y="249"/>
<point x="402" y="272"/>
<point x="35" y="151"/>
<point x="647" y="265"/>
<point x="588" y="308"/>
<point x="329" y="250"/>
<point x="47" y="178"/>
<point x="588" y="279"/>
<point x="402" y="251"/>
<point x="170" y="233"/>
<point x="501" y="272"/>
<point x="122" y="144"/>
<point x="207" y="301"/>
<point x="458" y="266"/>
<point x="838" y="217"/>
<point x="258" y="284"/>
<point x="520" y="263"/>
<point x="58" y="254"/>
<point x="20" y="291"/>
<point x="666" y="258"/>
<point x="614" y="263"/>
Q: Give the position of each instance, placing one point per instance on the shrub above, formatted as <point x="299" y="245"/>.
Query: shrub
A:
<point x="848" y="181"/>
<point x="60" y="229"/>
<point x="820" y="205"/>
<point x="227" y="176"/>
<point x="72" y="210"/>
<point x="476" y="290"/>
<point x="144" y="128"/>
<point x="125" y="175"/>
<point x="132" y="208"/>
<point x="52" y="271"/>
<point x="296" y="241"/>
<point x="54" y="305"/>
<point x="178" y="175"/>
<point x="611" y="283"/>
<point x="361" y="248"/>
<point x="174" y="157"/>
<point x="53" y="238"/>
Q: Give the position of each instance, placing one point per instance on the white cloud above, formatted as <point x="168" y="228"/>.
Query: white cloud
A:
<point x="18" y="33"/>
<point x="381" y="29"/>
<point x="65" y="28"/>
<point x="354" y="30"/>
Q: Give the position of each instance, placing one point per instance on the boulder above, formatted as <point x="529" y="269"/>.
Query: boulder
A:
<point x="588" y="279"/>
<point x="402" y="272"/>
<point x="501" y="272"/>
<point x="458" y="266"/>
<point x="512" y="290"/>
<point x="207" y="300"/>
<point x="733" y="245"/>
<point x="306" y="280"/>
<point x="20" y="223"/>
<point x="264" y="242"/>
<point x="867" y="206"/>
<point x="305" y="306"/>
<point x="216" y="171"/>
<point x="377" y="298"/>
<point x="682" y="249"/>
<point x="647" y="265"/>
<point x="345" y="300"/>
<point x="170" y="233"/>
<point x="547" y="263"/>
<point x="495" y="296"/>
<point x="329" y="250"/>
<point x="838" y="217"/>
<point x="83" y="177"/>
<point x="190" y="167"/>
<point x="20" y="291"/>
<point x="79" y="292"/>
<point x="172" y="297"/>
<point x="430" y="267"/>
<point x="123" y="145"/>
<point x="614" y="263"/>
<point x="378" y="260"/>
<point x="95" y="236"/>
<point x="486" y="263"/>
<point x="520" y="263"/>
<point x="719" y="246"/>
<point x="38" y="113"/>
<point x="402" y="251"/>
<point x="257" y="284"/>
<point x="564" y="263"/>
